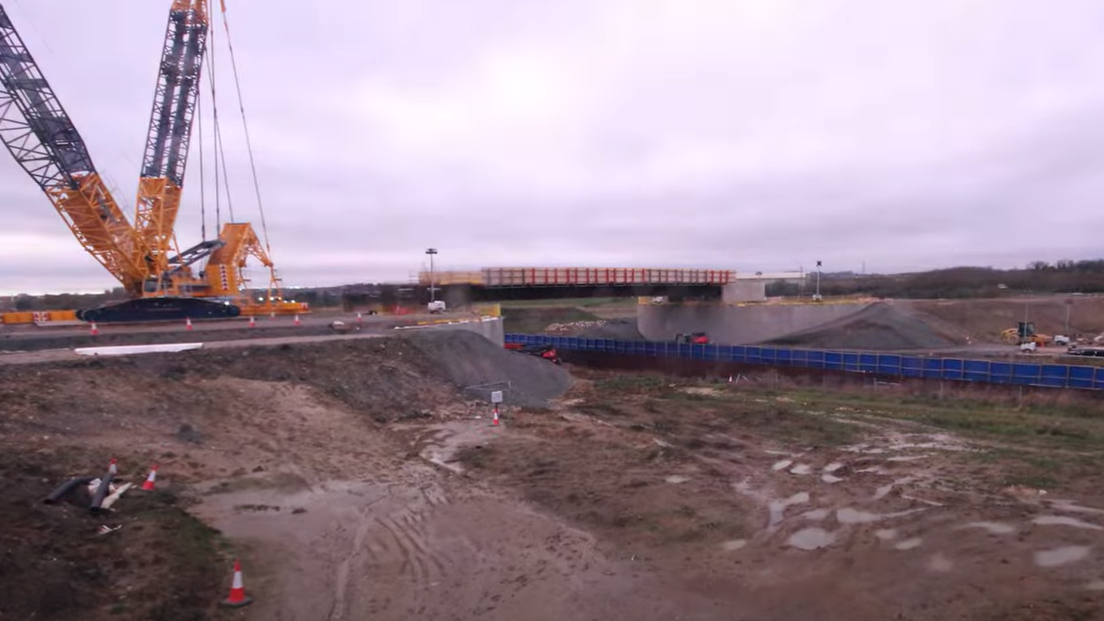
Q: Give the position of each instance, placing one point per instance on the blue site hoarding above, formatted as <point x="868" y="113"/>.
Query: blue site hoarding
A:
<point x="895" y="365"/>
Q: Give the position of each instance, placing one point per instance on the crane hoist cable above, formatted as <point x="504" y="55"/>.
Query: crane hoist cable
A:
<point x="245" y="127"/>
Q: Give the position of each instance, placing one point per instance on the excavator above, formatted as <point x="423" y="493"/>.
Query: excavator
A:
<point x="163" y="281"/>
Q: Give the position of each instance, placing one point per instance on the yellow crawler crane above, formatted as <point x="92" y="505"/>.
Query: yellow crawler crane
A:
<point x="143" y="257"/>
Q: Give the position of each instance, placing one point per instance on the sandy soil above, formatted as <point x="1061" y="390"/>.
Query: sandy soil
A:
<point x="358" y="480"/>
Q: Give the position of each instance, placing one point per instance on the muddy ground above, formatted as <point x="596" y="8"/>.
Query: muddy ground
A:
<point x="361" y="480"/>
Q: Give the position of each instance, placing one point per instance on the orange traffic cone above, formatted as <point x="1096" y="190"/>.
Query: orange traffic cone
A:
<point x="237" y="591"/>
<point x="359" y="318"/>
<point x="729" y="379"/>
<point x="495" y="422"/>
<point x="94" y="330"/>
<point x="297" y="320"/>
<point x="188" y="323"/>
<point x="252" y="321"/>
<point x="148" y="485"/>
<point x="112" y="467"/>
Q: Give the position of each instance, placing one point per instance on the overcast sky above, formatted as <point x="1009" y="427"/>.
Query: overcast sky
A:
<point x="745" y="134"/>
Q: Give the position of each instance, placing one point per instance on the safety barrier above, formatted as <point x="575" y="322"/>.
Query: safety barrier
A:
<point x="893" y="365"/>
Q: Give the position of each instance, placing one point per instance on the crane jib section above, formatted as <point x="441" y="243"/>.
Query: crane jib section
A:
<point x="174" y="102"/>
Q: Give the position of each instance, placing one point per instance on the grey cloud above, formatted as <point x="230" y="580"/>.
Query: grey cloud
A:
<point x="749" y="135"/>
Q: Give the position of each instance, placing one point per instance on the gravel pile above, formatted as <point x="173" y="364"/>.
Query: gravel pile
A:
<point x="477" y="366"/>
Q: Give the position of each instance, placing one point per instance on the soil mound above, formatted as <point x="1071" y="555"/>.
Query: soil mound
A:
<point x="877" y="327"/>
<point x="475" y="365"/>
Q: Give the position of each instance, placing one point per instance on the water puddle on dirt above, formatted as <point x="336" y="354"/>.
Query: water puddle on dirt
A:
<point x="885" y="534"/>
<point x="907" y="457"/>
<point x="909" y="544"/>
<point x="939" y="562"/>
<point x="1095" y="585"/>
<point x="778" y="507"/>
<point x="1066" y="505"/>
<point x="811" y="539"/>
<point x="676" y="479"/>
<point x="832" y="467"/>
<point x="782" y="465"/>
<point x="994" y="528"/>
<point x="1060" y="556"/>
<point x="830" y="478"/>
<point x="854" y="516"/>
<point x="733" y="544"/>
<point x="1061" y="520"/>
<point x="801" y="469"/>
<point x="884" y="490"/>
<point x="817" y="514"/>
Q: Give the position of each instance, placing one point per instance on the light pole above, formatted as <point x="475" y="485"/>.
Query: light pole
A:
<point x="432" y="289"/>
<point x="816" y="296"/>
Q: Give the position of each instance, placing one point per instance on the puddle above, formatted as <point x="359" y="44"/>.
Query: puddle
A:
<point x="1060" y="556"/>
<point x="733" y="544"/>
<point x="1095" y="585"/>
<point x="830" y="478"/>
<point x="909" y="544"/>
<point x="994" y="528"/>
<point x="811" y="539"/>
<point x="939" y="562"/>
<point x="885" y="534"/>
<point x="801" y="469"/>
<point x="854" y="516"/>
<point x="782" y="465"/>
<point x="1066" y="505"/>
<point x="873" y="470"/>
<point x="1061" y="520"/>
<point x="677" y="478"/>
<point x="907" y="457"/>
<point x="832" y="467"/>
<point x="778" y="507"/>
<point x="773" y="452"/>
<point x="816" y="514"/>
<point x="884" y="490"/>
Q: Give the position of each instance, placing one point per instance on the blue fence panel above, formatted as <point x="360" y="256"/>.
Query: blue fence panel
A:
<point x="991" y="371"/>
<point x="912" y="366"/>
<point x="889" y="364"/>
<point x="952" y="369"/>
<point x="975" y="370"/>
<point x="1000" y="372"/>
<point x="1055" y="375"/>
<point x="1026" y="374"/>
<point x="1080" y="377"/>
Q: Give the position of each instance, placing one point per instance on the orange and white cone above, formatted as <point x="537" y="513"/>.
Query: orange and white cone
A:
<point x="495" y="421"/>
<point x="148" y="485"/>
<point x="94" y="331"/>
<point x="252" y="321"/>
<point x="112" y="467"/>
<point x="359" y="318"/>
<point x="188" y="323"/>
<point x="297" y="320"/>
<point x="237" y="590"/>
<point x="729" y="379"/>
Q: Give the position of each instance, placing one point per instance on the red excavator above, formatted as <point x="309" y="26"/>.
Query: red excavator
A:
<point x="546" y="352"/>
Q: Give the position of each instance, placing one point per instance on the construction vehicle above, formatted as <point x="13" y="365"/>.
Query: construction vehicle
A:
<point x="547" y="352"/>
<point x="693" y="338"/>
<point x="1023" y="333"/>
<point x="163" y="281"/>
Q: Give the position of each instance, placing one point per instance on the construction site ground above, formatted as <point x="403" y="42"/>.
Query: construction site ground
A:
<point x="364" y="479"/>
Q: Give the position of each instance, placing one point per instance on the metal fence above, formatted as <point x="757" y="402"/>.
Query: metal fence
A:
<point x="895" y="365"/>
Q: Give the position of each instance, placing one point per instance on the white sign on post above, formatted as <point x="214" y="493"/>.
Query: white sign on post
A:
<point x="496" y="396"/>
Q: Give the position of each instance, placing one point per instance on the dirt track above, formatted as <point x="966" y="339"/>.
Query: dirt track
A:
<point x="358" y="480"/>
